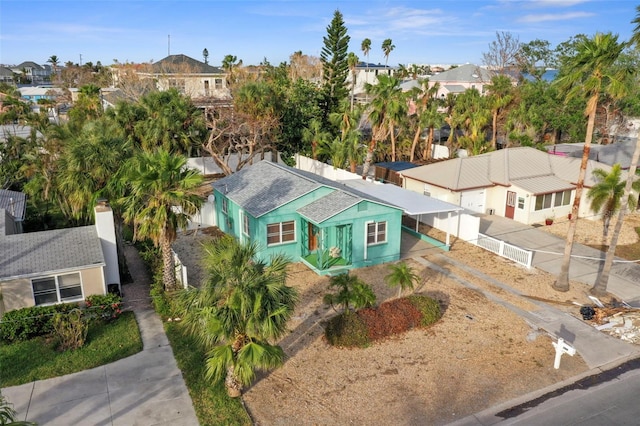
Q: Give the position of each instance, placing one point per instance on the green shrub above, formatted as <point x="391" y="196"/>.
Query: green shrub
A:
<point x="71" y="329"/>
<point x="106" y="307"/>
<point x="26" y="323"/>
<point x="428" y="307"/>
<point x="347" y="329"/>
<point x="359" y="329"/>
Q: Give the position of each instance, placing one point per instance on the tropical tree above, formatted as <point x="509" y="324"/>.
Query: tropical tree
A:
<point x="387" y="48"/>
<point x="205" y="55"/>
<point x="89" y="159"/>
<point x="315" y="135"/>
<point x="424" y="100"/>
<point x="229" y="65"/>
<point x="365" y="46"/>
<point x="240" y="309"/>
<point x="351" y="293"/>
<point x="606" y="195"/>
<point x="335" y="65"/>
<point x="589" y="75"/>
<point x="352" y="60"/>
<point x="54" y="61"/>
<point x="387" y="108"/>
<point x="600" y="286"/>
<point x="160" y="196"/>
<point x="500" y="95"/>
<point x="87" y="107"/>
<point x="402" y="276"/>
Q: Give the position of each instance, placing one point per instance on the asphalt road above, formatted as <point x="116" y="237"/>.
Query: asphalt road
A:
<point x="609" y="398"/>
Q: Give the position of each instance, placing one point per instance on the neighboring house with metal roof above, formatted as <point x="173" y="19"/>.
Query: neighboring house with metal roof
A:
<point x="57" y="266"/>
<point x="619" y="152"/>
<point x="189" y="76"/>
<point x="522" y="183"/>
<point x="326" y="225"/>
<point x="457" y="80"/>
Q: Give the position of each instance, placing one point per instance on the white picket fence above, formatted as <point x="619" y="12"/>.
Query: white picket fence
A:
<point x="506" y="250"/>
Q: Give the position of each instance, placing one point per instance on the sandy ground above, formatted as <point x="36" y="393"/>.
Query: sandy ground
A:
<point x="478" y="355"/>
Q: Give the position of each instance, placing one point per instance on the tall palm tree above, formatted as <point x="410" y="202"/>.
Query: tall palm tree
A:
<point x="54" y="61"/>
<point x="590" y="74"/>
<point x="160" y="197"/>
<point x="366" y="48"/>
<point x="387" y="48"/>
<point x="229" y="65"/>
<point x="500" y="95"/>
<point x="402" y="276"/>
<point x="242" y="307"/>
<point x="600" y="286"/>
<point x="431" y="118"/>
<point x="387" y="109"/>
<point x="352" y="60"/>
<point x="606" y="195"/>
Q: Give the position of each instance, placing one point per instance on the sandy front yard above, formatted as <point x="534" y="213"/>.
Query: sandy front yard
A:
<point x="478" y="355"/>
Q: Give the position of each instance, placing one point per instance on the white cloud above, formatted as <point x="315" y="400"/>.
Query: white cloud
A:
<point x="546" y="17"/>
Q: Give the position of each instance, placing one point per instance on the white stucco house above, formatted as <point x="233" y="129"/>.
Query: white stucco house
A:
<point x="523" y="184"/>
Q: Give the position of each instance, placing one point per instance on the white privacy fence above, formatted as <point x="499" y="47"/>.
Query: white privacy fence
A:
<point x="506" y="250"/>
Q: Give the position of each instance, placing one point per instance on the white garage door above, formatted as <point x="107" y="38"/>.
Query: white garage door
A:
<point x="473" y="200"/>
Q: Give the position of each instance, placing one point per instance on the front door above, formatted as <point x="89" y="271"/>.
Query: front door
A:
<point x="313" y="236"/>
<point x="510" y="207"/>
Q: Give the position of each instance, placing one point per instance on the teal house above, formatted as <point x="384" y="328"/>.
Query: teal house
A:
<point x="324" y="224"/>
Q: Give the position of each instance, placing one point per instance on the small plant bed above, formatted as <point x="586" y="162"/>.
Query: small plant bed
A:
<point x="363" y="327"/>
<point x="41" y="358"/>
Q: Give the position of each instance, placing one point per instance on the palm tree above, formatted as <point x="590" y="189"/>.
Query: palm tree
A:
<point x="54" y="61"/>
<point x="352" y="60"/>
<point x="315" y="136"/>
<point x="402" y="276"/>
<point x="387" y="48"/>
<point x="499" y="97"/>
<point x="387" y="108"/>
<point x="589" y="75"/>
<point x="600" y="286"/>
<point x="242" y="306"/>
<point x="366" y="48"/>
<point x="229" y="64"/>
<point x="352" y="293"/>
<point x="160" y="197"/>
<point x="431" y="118"/>
<point x="606" y="195"/>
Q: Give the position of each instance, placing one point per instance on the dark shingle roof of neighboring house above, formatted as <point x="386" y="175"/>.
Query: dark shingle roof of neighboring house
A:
<point x="29" y="64"/>
<point x="14" y="202"/>
<point x="6" y="72"/>
<point x="396" y="165"/>
<point x="265" y="186"/>
<point x="466" y="73"/>
<point x="54" y="251"/>
<point x="183" y="64"/>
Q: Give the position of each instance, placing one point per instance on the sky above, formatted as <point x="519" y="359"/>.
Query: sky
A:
<point x="423" y="31"/>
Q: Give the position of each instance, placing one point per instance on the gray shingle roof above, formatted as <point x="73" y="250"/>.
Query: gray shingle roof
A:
<point x="14" y="202"/>
<point x="265" y="186"/>
<point x="183" y="64"/>
<point x="328" y="206"/>
<point x="58" y="250"/>
<point x="463" y="73"/>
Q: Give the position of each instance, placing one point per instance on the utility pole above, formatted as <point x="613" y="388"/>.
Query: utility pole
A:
<point x="81" y="59"/>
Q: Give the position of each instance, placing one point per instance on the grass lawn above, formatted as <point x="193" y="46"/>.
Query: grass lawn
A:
<point x="212" y="405"/>
<point x="37" y="359"/>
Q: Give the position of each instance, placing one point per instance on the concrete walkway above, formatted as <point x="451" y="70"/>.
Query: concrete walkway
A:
<point x="143" y="389"/>
<point x="586" y="262"/>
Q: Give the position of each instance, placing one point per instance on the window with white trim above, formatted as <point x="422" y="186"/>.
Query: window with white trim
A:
<point x="245" y="224"/>
<point x="376" y="233"/>
<point x="225" y="206"/>
<point x="56" y="289"/>
<point x="282" y="232"/>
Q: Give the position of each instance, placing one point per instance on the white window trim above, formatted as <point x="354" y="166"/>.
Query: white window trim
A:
<point x="245" y="224"/>
<point x="386" y="232"/>
<point x="224" y="206"/>
<point x="280" y="243"/>
<point x="55" y="278"/>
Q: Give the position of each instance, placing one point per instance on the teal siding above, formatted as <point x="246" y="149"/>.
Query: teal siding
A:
<point x="348" y="225"/>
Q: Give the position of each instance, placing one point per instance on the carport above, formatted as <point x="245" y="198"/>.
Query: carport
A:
<point x="412" y="203"/>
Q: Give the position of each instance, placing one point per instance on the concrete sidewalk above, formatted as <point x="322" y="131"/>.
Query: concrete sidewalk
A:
<point x="144" y="389"/>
